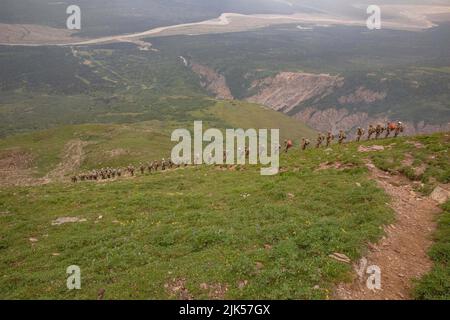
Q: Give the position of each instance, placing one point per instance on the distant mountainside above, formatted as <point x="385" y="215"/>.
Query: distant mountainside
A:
<point x="331" y="78"/>
<point x="328" y="77"/>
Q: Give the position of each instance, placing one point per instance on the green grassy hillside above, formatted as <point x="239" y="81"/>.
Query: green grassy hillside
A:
<point x="120" y="144"/>
<point x="204" y="232"/>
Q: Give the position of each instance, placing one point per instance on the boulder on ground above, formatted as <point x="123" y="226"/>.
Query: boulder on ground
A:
<point x="340" y="257"/>
<point x="370" y="148"/>
<point x="441" y="194"/>
<point x="64" y="220"/>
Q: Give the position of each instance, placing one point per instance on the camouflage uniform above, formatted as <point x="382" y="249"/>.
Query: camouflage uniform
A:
<point x="342" y="137"/>
<point x="305" y="143"/>
<point x="370" y="132"/>
<point x="378" y="131"/>
<point x="131" y="170"/>
<point x="320" y="139"/>
<point x="388" y="130"/>
<point x="330" y="137"/>
<point x="359" y="133"/>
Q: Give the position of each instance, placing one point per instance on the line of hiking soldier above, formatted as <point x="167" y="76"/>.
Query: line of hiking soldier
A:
<point x="373" y="131"/>
<point x="111" y="173"/>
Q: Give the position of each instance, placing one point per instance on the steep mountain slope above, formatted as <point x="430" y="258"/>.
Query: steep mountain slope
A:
<point x="287" y="90"/>
<point x="212" y="81"/>
<point x="252" y="237"/>
<point x="333" y="78"/>
<point x="44" y="156"/>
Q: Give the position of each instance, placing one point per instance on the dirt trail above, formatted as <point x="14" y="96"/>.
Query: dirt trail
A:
<point x="72" y="158"/>
<point x="16" y="166"/>
<point x="402" y="253"/>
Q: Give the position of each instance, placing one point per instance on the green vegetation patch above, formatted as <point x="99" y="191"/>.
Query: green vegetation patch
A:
<point x="258" y="237"/>
<point x="436" y="284"/>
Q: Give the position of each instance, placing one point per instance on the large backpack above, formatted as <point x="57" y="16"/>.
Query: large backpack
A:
<point x="392" y="126"/>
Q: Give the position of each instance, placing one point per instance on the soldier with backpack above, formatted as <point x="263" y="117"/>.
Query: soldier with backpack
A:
<point x="320" y="139"/>
<point x="305" y="143"/>
<point x="287" y="145"/>
<point x="359" y="134"/>
<point x="342" y="136"/>
<point x="330" y="138"/>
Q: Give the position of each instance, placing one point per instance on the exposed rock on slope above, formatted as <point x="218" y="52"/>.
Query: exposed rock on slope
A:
<point x="212" y="81"/>
<point x="441" y="194"/>
<point x="332" y="119"/>
<point x="362" y="95"/>
<point x="327" y="102"/>
<point x="288" y="89"/>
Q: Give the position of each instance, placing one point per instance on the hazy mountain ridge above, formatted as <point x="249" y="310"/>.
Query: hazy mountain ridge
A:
<point x="106" y="18"/>
<point x="380" y="77"/>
